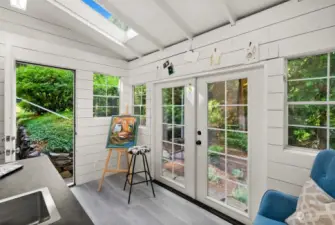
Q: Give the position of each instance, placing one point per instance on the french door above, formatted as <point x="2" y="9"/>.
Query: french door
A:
<point x="175" y="128"/>
<point x="219" y="120"/>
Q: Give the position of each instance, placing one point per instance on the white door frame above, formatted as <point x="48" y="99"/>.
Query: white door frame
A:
<point x="9" y="105"/>
<point x="189" y="146"/>
<point x="258" y="183"/>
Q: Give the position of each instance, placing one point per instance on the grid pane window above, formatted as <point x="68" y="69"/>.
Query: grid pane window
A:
<point x="139" y="103"/>
<point x="227" y="140"/>
<point x="310" y="100"/>
<point x="173" y="128"/>
<point x="106" y="96"/>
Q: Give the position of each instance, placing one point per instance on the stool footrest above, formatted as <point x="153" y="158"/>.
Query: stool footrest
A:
<point x="143" y="171"/>
<point x="140" y="182"/>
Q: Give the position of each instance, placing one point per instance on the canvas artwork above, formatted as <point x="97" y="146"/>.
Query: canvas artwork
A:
<point x="122" y="132"/>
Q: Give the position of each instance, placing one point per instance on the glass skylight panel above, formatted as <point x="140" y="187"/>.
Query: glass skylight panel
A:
<point x="103" y="12"/>
<point x="20" y="4"/>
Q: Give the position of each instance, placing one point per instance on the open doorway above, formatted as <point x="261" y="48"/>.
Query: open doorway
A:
<point x="45" y="115"/>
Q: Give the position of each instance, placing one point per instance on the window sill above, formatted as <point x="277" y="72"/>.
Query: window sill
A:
<point x="302" y="151"/>
<point x="102" y="117"/>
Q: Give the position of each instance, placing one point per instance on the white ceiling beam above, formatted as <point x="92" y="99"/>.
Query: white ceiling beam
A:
<point x="133" y="51"/>
<point x="131" y="23"/>
<point x="166" y="8"/>
<point x="229" y="14"/>
<point x="95" y="28"/>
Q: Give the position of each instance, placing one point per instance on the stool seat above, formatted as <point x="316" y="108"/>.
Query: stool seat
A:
<point x="139" y="149"/>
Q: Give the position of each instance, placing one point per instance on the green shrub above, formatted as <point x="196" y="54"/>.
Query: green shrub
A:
<point x="51" y="88"/>
<point x="215" y="114"/>
<point x="238" y="140"/>
<point x="216" y="149"/>
<point x="237" y="173"/>
<point x="240" y="194"/>
<point x="212" y="176"/>
<point x="54" y="131"/>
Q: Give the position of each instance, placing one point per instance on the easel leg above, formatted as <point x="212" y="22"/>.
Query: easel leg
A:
<point x="119" y="154"/>
<point x="105" y="169"/>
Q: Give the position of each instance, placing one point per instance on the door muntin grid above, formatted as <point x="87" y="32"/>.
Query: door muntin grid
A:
<point x="227" y="144"/>
<point x="173" y="138"/>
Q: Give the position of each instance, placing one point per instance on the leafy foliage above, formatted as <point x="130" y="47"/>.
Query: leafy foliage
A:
<point x="216" y="116"/>
<point x="241" y="194"/>
<point x="139" y="102"/>
<point x="105" y="95"/>
<point x="310" y="90"/>
<point x="212" y="175"/>
<point x="216" y="149"/>
<point x="48" y="128"/>
<point x="51" y="88"/>
<point x="173" y="101"/>
<point x="237" y="173"/>
<point x="237" y="140"/>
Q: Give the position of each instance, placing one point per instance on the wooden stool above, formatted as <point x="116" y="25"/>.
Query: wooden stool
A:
<point x="135" y="151"/>
<point x="120" y="152"/>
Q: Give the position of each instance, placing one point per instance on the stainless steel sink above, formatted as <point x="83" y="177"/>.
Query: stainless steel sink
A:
<point x="35" y="207"/>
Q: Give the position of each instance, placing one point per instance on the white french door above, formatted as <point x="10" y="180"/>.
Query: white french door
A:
<point x="210" y="140"/>
<point x="230" y="164"/>
<point x="175" y="138"/>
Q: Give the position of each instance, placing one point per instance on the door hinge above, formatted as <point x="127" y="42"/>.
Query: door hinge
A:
<point x="8" y="138"/>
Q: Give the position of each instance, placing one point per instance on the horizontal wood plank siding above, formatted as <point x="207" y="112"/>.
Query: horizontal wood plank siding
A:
<point x="91" y="132"/>
<point x="295" y="28"/>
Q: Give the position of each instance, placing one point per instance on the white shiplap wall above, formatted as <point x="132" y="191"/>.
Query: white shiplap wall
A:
<point x="288" y="169"/>
<point x="292" y="29"/>
<point x="54" y="50"/>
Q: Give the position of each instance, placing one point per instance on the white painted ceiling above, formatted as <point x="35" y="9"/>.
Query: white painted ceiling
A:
<point x="159" y="23"/>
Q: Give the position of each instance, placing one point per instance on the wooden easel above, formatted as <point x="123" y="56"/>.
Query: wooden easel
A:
<point x="120" y="152"/>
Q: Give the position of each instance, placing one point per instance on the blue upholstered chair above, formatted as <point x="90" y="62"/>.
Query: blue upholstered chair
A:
<point x="276" y="206"/>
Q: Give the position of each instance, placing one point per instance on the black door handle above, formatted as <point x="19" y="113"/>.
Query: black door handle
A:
<point x="198" y="142"/>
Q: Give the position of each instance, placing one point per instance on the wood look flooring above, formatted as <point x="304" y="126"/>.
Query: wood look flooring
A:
<point x="110" y="205"/>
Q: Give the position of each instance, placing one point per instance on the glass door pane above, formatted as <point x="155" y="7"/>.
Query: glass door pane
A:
<point x="175" y="153"/>
<point x="227" y="143"/>
<point x="173" y="130"/>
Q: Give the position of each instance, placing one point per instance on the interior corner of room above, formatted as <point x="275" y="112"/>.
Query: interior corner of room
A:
<point x="165" y="112"/>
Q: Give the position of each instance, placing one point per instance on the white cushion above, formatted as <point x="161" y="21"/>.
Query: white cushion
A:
<point x="315" y="207"/>
<point x="140" y="149"/>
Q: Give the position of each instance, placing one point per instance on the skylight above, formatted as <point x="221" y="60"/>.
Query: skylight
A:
<point x="103" y="12"/>
<point x="20" y="4"/>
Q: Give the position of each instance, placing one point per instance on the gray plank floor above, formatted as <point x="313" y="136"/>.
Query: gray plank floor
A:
<point x="110" y="205"/>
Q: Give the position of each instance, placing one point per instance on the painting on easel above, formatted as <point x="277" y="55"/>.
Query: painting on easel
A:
<point x="122" y="131"/>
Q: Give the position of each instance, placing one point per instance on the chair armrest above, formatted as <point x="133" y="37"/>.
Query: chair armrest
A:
<point x="277" y="206"/>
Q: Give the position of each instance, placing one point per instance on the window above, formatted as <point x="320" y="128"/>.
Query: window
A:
<point x="106" y="97"/>
<point x="139" y="102"/>
<point x="128" y="32"/>
<point x="311" y="102"/>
